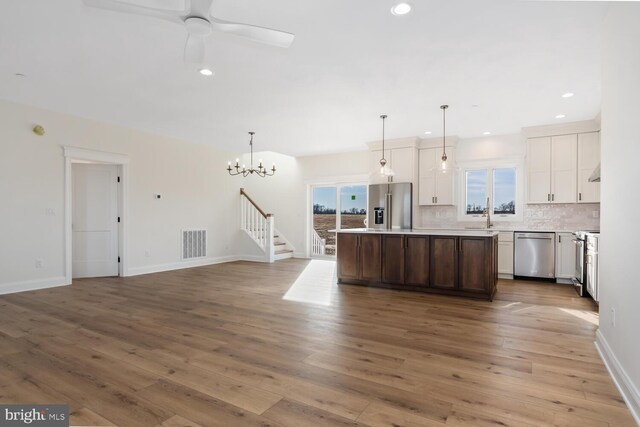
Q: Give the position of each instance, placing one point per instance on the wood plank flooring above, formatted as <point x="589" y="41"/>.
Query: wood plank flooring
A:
<point x="219" y="346"/>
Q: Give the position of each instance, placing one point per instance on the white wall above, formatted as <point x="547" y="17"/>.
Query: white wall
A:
<point x="619" y="283"/>
<point x="196" y="192"/>
<point x="491" y="147"/>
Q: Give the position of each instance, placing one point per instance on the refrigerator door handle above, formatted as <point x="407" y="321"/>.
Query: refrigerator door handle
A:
<point x="389" y="209"/>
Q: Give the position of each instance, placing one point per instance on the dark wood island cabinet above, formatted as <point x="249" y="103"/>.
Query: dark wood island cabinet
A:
<point x="463" y="264"/>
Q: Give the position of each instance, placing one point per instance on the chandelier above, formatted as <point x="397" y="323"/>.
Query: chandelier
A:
<point x="261" y="171"/>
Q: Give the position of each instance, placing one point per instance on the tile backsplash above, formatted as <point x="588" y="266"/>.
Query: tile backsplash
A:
<point x="570" y="217"/>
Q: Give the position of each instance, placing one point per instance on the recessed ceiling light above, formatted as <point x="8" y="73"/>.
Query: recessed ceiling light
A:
<point x="205" y="72"/>
<point x="428" y="132"/>
<point x="401" y="8"/>
<point x="567" y="95"/>
<point x="475" y="105"/>
<point x="20" y="75"/>
<point x="486" y="133"/>
<point x="560" y="116"/>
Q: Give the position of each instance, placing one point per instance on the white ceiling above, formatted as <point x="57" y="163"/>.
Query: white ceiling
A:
<point x="351" y="61"/>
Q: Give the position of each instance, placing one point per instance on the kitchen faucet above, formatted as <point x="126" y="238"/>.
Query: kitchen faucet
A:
<point x="487" y="213"/>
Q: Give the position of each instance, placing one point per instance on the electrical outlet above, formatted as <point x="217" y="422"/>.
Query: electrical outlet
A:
<point x="50" y="212"/>
<point x="147" y="253"/>
<point x="613" y="317"/>
<point x="38" y="263"/>
<point x="595" y="214"/>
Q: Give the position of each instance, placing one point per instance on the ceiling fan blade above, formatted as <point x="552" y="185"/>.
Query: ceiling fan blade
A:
<point x="124" y="7"/>
<point x="258" y="34"/>
<point x="194" y="49"/>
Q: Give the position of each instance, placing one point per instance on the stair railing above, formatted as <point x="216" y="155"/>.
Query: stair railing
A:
<point x="258" y="224"/>
<point x="317" y="243"/>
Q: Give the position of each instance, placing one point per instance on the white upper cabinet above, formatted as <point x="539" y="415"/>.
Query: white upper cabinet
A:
<point x="403" y="164"/>
<point x="539" y="170"/>
<point x="565" y="256"/>
<point x="401" y="160"/>
<point x="552" y="169"/>
<point x="564" y="168"/>
<point x="435" y="186"/>
<point x="588" y="160"/>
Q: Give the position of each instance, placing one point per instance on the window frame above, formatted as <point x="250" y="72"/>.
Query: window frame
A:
<point x="489" y="166"/>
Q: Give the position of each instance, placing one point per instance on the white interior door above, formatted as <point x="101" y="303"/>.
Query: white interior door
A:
<point x="95" y="220"/>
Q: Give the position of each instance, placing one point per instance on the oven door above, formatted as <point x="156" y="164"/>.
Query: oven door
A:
<point x="579" y="273"/>
<point x="579" y="276"/>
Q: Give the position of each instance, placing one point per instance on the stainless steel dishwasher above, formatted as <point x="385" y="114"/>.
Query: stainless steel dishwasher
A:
<point x="535" y="255"/>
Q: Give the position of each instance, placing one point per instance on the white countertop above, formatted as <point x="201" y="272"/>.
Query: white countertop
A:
<point x="425" y="232"/>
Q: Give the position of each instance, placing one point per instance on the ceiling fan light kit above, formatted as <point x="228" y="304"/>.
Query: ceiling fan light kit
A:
<point x="199" y="24"/>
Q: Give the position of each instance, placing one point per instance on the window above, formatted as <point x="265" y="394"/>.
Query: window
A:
<point x="476" y="190"/>
<point x="504" y="191"/>
<point x="497" y="184"/>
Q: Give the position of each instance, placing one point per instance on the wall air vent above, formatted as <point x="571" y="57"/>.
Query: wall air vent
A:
<point x="194" y="244"/>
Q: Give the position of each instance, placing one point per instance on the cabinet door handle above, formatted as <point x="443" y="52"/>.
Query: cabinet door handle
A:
<point x="559" y="238"/>
<point x="548" y="197"/>
<point x="436" y="199"/>
<point x="433" y="199"/>
<point x="553" y="197"/>
<point x="579" y="196"/>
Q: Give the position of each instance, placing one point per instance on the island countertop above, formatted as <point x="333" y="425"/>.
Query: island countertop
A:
<point x="452" y="262"/>
<point x="424" y="232"/>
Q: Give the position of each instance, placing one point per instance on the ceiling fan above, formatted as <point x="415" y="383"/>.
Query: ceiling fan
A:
<point x="197" y="19"/>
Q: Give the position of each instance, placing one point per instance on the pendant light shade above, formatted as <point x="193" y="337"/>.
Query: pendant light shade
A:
<point x="444" y="129"/>
<point x="385" y="170"/>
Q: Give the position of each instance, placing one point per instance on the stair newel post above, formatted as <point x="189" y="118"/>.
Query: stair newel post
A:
<point x="243" y="220"/>
<point x="269" y="232"/>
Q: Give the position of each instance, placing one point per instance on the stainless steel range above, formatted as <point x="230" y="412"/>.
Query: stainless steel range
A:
<point x="585" y="277"/>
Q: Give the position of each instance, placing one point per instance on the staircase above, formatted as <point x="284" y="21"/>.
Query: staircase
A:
<point x="260" y="226"/>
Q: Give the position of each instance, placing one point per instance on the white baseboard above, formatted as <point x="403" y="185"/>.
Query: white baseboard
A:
<point x="626" y="387"/>
<point x="300" y="255"/>
<point x="32" y="285"/>
<point x="252" y="258"/>
<point x="158" y="268"/>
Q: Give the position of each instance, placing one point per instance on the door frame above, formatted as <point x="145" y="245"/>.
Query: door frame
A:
<point x="338" y="182"/>
<point x="83" y="155"/>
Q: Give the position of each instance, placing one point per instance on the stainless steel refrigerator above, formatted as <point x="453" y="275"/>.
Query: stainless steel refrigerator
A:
<point x="390" y="206"/>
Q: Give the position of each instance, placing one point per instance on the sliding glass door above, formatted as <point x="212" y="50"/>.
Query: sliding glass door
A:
<point x="335" y="207"/>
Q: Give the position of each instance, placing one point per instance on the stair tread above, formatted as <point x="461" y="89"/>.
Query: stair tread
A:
<point x="279" y="243"/>
<point x="284" y="251"/>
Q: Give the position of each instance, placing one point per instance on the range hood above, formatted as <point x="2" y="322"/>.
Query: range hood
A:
<point x="595" y="176"/>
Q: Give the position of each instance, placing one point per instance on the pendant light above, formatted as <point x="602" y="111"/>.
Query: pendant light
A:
<point x="444" y="150"/>
<point x="385" y="170"/>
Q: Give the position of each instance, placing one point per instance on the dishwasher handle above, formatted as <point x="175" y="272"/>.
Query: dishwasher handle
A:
<point x="535" y="236"/>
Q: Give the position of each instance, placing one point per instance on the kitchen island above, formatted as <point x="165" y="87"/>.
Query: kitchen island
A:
<point x="452" y="262"/>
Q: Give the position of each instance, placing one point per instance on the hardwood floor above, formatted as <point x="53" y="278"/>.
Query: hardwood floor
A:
<point x="219" y="346"/>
